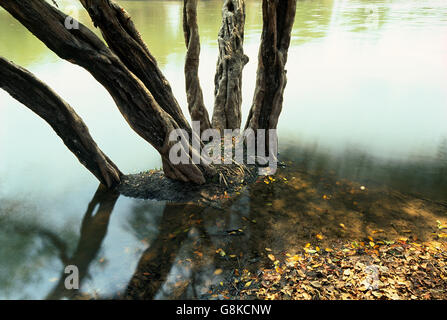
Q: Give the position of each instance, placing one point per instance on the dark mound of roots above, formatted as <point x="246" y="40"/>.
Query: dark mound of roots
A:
<point x="155" y="185"/>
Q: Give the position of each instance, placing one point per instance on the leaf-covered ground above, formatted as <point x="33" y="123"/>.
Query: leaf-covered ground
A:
<point x="359" y="243"/>
<point x="371" y="269"/>
<point x="301" y="234"/>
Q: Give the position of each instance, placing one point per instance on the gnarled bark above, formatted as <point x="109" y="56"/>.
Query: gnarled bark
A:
<point x="125" y="41"/>
<point x="278" y="18"/>
<point x="26" y="88"/>
<point x="228" y="80"/>
<point x="81" y="46"/>
<point x="194" y="93"/>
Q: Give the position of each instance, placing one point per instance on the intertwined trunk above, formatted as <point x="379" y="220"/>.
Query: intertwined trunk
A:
<point x="278" y="17"/>
<point x="125" y="41"/>
<point x="136" y="103"/>
<point x="228" y="80"/>
<point x="194" y="93"/>
<point x="37" y="96"/>
<point x="129" y="72"/>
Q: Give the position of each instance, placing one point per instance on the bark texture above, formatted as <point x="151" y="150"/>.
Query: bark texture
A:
<point x="125" y="41"/>
<point x="33" y="93"/>
<point x="135" y="102"/>
<point x="194" y="93"/>
<point x="231" y="61"/>
<point x="278" y="18"/>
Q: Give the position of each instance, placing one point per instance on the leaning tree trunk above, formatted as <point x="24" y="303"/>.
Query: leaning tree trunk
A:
<point x="81" y="46"/>
<point x="228" y="80"/>
<point x="33" y="93"/>
<point x="125" y="41"/>
<point x="278" y="18"/>
<point x="194" y="93"/>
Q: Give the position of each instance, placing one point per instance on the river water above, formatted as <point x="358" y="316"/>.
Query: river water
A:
<point x="366" y="100"/>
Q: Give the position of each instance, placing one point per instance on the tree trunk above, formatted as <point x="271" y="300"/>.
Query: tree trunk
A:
<point x="278" y="18"/>
<point x="125" y="41"/>
<point x="228" y="80"/>
<point x="26" y="88"/>
<point x="81" y="46"/>
<point x="194" y="93"/>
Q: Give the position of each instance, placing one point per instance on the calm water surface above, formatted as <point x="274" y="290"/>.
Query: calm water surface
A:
<point x="366" y="99"/>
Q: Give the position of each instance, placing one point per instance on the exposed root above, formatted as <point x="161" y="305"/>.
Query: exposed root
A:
<point x="155" y="185"/>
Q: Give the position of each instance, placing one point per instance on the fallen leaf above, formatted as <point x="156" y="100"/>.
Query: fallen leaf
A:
<point x="218" y="271"/>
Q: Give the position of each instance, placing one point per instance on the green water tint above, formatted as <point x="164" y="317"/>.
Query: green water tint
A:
<point x="365" y="105"/>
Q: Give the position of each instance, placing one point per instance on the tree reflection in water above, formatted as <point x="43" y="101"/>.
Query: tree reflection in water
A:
<point x="189" y="249"/>
<point x="93" y="231"/>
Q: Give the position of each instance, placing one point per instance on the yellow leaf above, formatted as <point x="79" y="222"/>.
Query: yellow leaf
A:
<point x="218" y="271"/>
<point x="221" y="252"/>
<point x="319" y="236"/>
<point x="440" y="225"/>
<point x="268" y="249"/>
<point x="271" y="257"/>
<point x="248" y="284"/>
<point x="295" y="258"/>
<point x="342" y="225"/>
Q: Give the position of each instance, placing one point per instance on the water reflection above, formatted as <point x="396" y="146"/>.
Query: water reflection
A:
<point x="184" y="251"/>
<point x="198" y="247"/>
<point x="29" y="248"/>
<point x="365" y="105"/>
<point x="93" y="230"/>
